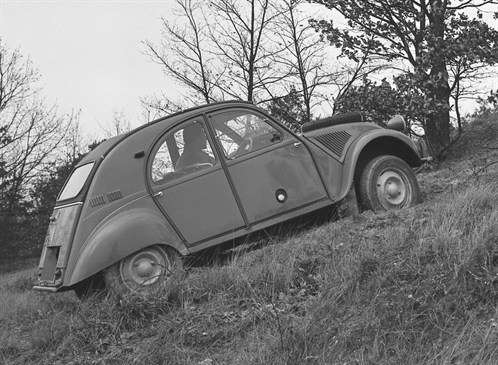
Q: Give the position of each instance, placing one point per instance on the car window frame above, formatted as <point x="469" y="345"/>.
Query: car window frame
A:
<point x="212" y="115"/>
<point x="200" y="118"/>
<point x="86" y="182"/>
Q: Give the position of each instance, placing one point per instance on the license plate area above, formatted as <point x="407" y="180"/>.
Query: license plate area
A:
<point x="49" y="263"/>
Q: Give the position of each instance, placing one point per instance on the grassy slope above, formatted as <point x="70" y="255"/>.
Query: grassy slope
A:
<point x="418" y="286"/>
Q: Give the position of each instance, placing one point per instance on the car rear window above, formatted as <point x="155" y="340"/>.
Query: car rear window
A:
<point x="76" y="181"/>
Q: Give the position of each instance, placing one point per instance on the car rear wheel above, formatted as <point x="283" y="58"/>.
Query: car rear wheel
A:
<point x="144" y="272"/>
<point x="387" y="183"/>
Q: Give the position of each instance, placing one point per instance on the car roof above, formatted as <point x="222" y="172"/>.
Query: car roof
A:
<point x="205" y="108"/>
<point x="103" y="148"/>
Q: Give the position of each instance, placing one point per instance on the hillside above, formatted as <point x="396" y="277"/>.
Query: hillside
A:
<point x="418" y="286"/>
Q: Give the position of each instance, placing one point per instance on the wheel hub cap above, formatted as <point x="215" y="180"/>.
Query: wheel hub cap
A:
<point x="391" y="189"/>
<point x="145" y="268"/>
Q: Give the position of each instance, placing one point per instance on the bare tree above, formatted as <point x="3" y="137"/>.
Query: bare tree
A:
<point x="255" y="50"/>
<point x="241" y="34"/>
<point x="72" y="147"/>
<point x="30" y="132"/>
<point x="215" y="51"/>
<point x="155" y="106"/>
<point x="182" y="52"/>
<point x="303" y="59"/>
<point x="119" y="124"/>
<point x="308" y="63"/>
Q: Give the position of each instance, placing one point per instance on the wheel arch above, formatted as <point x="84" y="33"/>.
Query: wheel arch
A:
<point x="372" y="145"/>
<point x="119" y="237"/>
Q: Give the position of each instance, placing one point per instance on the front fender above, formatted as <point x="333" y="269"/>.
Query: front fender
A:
<point x="120" y="236"/>
<point x="372" y="144"/>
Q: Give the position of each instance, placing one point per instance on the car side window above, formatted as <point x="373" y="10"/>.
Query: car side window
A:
<point x="183" y="152"/>
<point x="240" y="132"/>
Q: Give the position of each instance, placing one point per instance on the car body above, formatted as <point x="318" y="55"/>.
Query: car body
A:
<point x="128" y="209"/>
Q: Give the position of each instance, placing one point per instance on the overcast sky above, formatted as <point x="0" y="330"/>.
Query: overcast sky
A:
<point x="89" y="52"/>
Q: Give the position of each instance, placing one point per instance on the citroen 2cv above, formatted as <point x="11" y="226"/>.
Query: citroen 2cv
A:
<point x="139" y="202"/>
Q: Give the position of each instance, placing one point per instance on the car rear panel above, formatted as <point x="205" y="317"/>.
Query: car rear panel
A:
<point x="57" y="246"/>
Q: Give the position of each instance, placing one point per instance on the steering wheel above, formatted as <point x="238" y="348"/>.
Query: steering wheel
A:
<point x="245" y="147"/>
<point x="196" y="166"/>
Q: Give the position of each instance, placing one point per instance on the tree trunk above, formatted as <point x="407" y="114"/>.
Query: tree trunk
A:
<point x="437" y="128"/>
<point x="437" y="87"/>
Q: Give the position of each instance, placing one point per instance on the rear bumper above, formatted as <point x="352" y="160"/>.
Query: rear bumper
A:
<point x="50" y="289"/>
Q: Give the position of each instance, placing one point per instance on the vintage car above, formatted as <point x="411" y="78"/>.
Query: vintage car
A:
<point x="139" y="202"/>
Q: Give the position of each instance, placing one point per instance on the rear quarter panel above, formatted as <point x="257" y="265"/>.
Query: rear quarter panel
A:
<point x="119" y="216"/>
<point x="130" y="228"/>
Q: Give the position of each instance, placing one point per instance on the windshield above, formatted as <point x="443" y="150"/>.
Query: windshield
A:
<point x="242" y="131"/>
<point x="76" y="181"/>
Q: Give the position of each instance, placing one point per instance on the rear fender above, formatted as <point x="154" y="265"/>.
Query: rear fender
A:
<point x="119" y="237"/>
<point x="373" y="144"/>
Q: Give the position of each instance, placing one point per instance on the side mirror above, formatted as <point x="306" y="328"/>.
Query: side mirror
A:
<point x="396" y="123"/>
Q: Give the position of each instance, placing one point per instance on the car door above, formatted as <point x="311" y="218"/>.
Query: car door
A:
<point x="272" y="171"/>
<point x="190" y="186"/>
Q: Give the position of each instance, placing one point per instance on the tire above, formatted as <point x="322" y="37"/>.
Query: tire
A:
<point x="144" y="272"/>
<point x="388" y="183"/>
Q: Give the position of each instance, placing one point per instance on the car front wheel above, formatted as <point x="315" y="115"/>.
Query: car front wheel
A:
<point x="387" y="183"/>
<point x="144" y="272"/>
